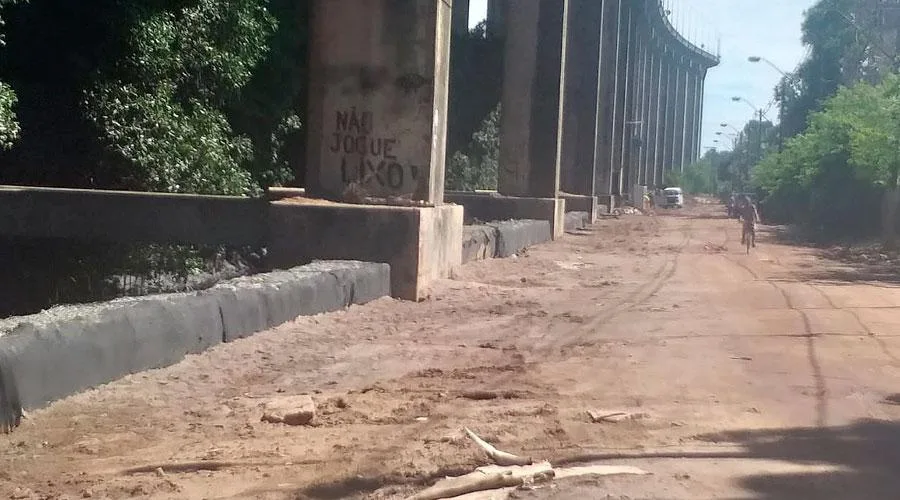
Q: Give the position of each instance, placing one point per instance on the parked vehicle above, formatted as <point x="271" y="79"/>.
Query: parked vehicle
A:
<point x="674" y="197"/>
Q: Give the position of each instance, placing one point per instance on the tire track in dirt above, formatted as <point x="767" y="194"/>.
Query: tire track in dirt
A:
<point x="641" y="294"/>
<point x="816" y="371"/>
<point x="882" y="345"/>
<point x="812" y="356"/>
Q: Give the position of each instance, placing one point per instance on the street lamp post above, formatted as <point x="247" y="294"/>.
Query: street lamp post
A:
<point x="760" y="114"/>
<point x="728" y="125"/>
<point x="733" y="137"/>
<point x="740" y="133"/>
<point x="756" y="59"/>
<point x="759" y="129"/>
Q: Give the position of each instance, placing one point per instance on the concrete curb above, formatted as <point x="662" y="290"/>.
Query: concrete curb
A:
<point x="503" y="239"/>
<point x="65" y="350"/>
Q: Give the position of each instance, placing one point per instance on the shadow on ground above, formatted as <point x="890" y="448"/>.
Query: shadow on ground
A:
<point x="857" y="462"/>
<point x="866" y="455"/>
<point x="842" y="261"/>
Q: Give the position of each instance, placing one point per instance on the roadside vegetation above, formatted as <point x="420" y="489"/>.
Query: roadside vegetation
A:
<point x="831" y="165"/>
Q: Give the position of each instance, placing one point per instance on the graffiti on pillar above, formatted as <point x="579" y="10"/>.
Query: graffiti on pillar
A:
<point x="366" y="157"/>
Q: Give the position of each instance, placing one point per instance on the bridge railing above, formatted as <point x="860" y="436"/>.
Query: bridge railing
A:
<point x="689" y="29"/>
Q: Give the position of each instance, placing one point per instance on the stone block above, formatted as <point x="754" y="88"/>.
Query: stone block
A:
<point x="290" y="410"/>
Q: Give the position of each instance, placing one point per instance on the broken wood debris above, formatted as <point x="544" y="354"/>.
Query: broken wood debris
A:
<point x="510" y="472"/>
<point x="608" y="416"/>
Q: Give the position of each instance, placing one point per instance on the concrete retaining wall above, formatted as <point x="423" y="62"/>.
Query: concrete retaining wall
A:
<point x="85" y="214"/>
<point x="48" y="356"/>
<point x="503" y="239"/>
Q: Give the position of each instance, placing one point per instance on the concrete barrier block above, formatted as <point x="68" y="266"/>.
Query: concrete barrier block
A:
<point x="243" y="310"/>
<point x="10" y="402"/>
<point x="165" y="331"/>
<point x="198" y="318"/>
<point x="53" y="360"/>
<point x="513" y="236"/>
<point x="479" y="243"/>
<point x="362" y="281"/>
<point x="54" y="354"/>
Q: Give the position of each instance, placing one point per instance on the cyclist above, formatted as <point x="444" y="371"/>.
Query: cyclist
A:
<point x="749" y="216"/>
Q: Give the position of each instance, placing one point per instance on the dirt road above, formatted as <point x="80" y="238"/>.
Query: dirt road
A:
<point x="768" y="376"/>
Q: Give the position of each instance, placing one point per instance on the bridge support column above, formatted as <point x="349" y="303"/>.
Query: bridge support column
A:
<point x="630" y="118"/>
<point x="662" y="129"/>
<point x="690" y="127"/>
<point x="496" y="18"/>
<point x="377" y="130"/>
<point x="654" y="121"/>
<point x="378" y="98"/>
<point x="606" y="102"/>
<point x="460" y="17"/>
<point x="680" y="116"/>
<point x="529" y="175"/>
<point x="619" y="109"/>
<point x="579" y="118"/>
<point x="668" y="160"/>
<point x="698" y="129"/>
<point x="644" y="116"/>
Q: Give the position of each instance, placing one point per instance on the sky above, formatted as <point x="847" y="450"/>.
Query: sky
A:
<point x="765" y="28"/>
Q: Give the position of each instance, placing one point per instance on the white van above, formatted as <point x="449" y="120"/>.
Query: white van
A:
<point x="674" y="197"/>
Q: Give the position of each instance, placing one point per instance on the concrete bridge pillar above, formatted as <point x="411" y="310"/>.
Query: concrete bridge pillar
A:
<point x="689" y="155"/>
<point x="496" y="18"/>
<point x="603" y="148"/>
<point x="377" y="132"/>
<point x="668" y="160"/>
<point x="644" y="115"/>
<point x="579" y="119"/>
<point x="653" y="125"/>
<point x="528" y="179"/>
<point x="678" y="145"/>
<point x="630" y="120"/>
<point x="532" y="99"/>
<point x="460" y="17"/>
<point x="662" y="128"/>
<point x="621" y="95"/>
<point x="698" y="128"/>
<point x="378" y="98"/>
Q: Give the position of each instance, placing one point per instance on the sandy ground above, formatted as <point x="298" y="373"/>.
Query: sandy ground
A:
<point x="761" y="376"/>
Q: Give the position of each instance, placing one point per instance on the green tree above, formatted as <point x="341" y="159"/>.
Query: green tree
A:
<point x="476" y="166"/>
<point x="162" y="108"/>
<point x="832" y="176"/>
<point x="871" y="114"/>
<point x="846" y="40"/>
<point x="9" y="125"/>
